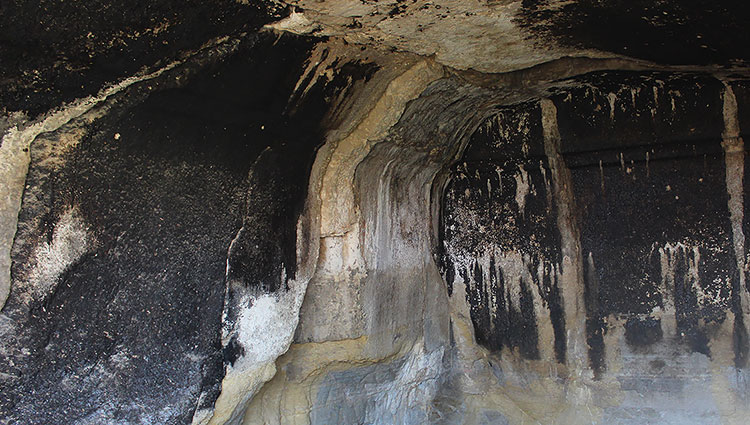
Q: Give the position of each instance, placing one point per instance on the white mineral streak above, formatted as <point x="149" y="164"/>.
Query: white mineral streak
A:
<point x="499" y="172"/>
<point x="545" y="178"/>
<point x="571" y="277"/>
<point x="70" y="240"/>
<point x="523" y="184"/>
<point x="264" y="330"/>
<point x="672" y="95"/>
<point x="296" y="23"/>
<point x="15" y="158"/>
<point x="633" y="93"/>
<point x="612" y="98"/>
<point x="491" y="126"/>
<point x="667" y="256"/>
<point x="734" y="155"/>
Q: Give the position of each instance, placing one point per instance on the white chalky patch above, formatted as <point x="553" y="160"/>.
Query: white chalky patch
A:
<point x="70" y="240"/>
<point x="523" y="184"/>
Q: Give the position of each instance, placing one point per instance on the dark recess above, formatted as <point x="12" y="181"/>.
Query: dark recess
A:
<point x="649" y="182"/>
<point x="54" y="51"/>
<point x="698" y="32"/>
<point x="643" y="332"/>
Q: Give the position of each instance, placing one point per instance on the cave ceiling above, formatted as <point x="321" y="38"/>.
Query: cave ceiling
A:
<point x="54" y="51"/>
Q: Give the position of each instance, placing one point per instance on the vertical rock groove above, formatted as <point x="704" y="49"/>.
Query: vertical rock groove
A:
<point x="734" y="154"/>
<point x="572" y="270"/>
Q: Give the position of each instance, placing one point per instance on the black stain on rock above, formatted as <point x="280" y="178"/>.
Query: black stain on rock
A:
<point x="498" y="209"/>
<point x="159" y="186"/>
<point x="649" y="182"/>
<point x="642" y="332"/>
<point x="698" y="32"/>
<point x="740" y="342"/>
<point x="557" y="315"/>
<point x="596" y="327"/>
<point x="54" y="51"/>
<point x="622" y="110"/>
<point x="233" y="351"/>
<point x="650" y="201"/>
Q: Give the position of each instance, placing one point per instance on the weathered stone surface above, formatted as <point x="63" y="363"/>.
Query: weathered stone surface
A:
<point x="652" y="202"/>
<point x="698" y="33"/>
<point x="506" y="35"/>
<point x="56" y="51"/>
<point x="131" y="251"/>
<point x="403" y="212"/>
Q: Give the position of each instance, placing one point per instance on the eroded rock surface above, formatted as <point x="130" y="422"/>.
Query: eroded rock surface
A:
<point x="374" y="212"/>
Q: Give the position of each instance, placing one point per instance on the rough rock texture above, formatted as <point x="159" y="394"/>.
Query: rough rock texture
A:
<point x="650" y="212"/>
<point x="56" y="51"/>
<point x="518" y="267"/>
<point x="133" y="243"/>
<point x="505" y="35"/>
<point x="344" y="211"/>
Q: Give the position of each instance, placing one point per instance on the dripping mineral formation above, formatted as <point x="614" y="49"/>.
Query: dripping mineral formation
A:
<point x="374" y="212"/>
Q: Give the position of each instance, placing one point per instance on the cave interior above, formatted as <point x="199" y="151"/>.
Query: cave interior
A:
<point x="374" y="212"/>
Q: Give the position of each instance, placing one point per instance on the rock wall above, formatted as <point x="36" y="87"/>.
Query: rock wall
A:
<point x="156" y="227"/>
<point x="541" y="319"/>
<point x="339" y="219"/>
<point x="606" y="201"/>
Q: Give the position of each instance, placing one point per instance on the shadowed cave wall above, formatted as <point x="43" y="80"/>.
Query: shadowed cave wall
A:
<point x="321" y="221"/>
